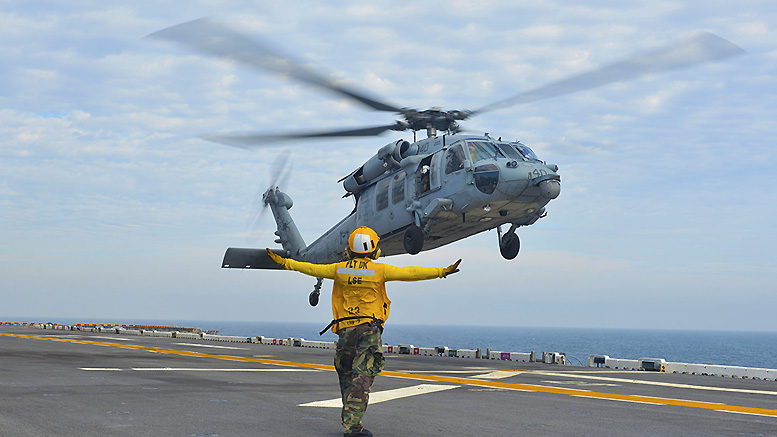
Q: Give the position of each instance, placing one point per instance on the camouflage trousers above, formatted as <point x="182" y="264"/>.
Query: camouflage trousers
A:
<point x="359" y="358"/>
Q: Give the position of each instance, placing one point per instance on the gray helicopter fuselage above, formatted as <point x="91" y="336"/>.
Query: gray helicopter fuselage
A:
<point x="450" y="186"/>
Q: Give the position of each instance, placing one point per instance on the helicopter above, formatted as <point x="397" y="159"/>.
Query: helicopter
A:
<point x="427" y="193"/>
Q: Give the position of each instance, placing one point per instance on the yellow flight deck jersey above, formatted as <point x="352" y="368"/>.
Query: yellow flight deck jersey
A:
<point x="360" y="286"/>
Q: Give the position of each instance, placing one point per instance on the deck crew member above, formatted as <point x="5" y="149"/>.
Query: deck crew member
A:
<point x="360" y="307"/>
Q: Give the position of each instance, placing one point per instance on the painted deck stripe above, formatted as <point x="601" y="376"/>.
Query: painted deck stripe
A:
<point x="749" y="414"/>
<point x="436" y="378"/>
<point x="101" y="369"/>
<point x="386" y="395"/>
<point x="212" y="346"/>
<point x="195" y="369"/>
<point x="658" y="383"/>
<point x="497" y="374"/>
<point x="188" y="369"/>
<point x="474" y="370"/>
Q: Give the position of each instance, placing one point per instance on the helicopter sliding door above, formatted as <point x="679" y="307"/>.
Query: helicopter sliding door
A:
<point x="399" y="200"/>
<point x="387" y="213"/>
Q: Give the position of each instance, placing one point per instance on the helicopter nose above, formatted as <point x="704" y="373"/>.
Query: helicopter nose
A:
<point x="529" y="179"/>
<point x="550" y="188"/>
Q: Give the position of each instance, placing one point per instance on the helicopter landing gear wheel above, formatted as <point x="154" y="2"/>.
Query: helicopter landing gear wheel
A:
<point x="313" y="298"/>
<point x="413" y="239"/>
<point x="509" y="245"/>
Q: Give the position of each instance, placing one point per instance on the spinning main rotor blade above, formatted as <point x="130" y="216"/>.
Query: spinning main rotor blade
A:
<point x="701" y="48"/>
<point x="208" y="36"/>
<point x="248" y="140"/>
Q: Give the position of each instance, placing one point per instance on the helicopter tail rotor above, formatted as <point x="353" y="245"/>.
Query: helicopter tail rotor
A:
<point x="280" y="172"/>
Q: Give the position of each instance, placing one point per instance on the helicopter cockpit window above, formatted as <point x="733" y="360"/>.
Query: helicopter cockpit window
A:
<point x="454" y="159"/>
<point x="480" y="150"/>
<point x="381" y="195"/>
<point x="509" y="151"/>
<point x="486" y="178"/>
<point x="398" y="188"/>
<point x="526" y="152"/>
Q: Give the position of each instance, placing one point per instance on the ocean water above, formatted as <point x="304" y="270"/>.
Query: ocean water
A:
<point x="734" y="348"/>
<point x="751" y="349"/>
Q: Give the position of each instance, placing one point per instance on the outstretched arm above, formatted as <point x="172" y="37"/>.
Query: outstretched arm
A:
<point x="326" y="271"/>
<point x="393" y="273"/>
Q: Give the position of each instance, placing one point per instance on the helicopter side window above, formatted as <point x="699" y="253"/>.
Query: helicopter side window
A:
<point x="480" y="150"/>
<point x="381" y="195"/>
<point x="454" y="159"/>
<point x="398" y="188"/>
<point x="486" y="178"/>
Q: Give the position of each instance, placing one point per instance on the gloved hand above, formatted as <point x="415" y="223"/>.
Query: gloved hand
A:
<point x="451" y="269"/>
<point x="277" y="258"/>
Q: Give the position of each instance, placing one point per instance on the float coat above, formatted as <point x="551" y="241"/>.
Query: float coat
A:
<point x="360" y="286"/>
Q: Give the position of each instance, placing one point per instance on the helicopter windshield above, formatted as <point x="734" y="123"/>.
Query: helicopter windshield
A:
<point x="509" y="151"/>
<point x="480" y="150"/>
<point x="527" y="153"/>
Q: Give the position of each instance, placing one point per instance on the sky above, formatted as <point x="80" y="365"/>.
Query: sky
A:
<point x="113" y="207"/>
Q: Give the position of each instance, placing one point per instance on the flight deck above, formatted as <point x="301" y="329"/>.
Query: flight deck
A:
<point x="56" y="382"/>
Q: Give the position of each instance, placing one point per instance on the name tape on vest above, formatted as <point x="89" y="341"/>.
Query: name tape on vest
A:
<point x="354" y="272"/>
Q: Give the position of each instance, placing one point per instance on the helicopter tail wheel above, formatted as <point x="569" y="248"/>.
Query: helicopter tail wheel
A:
<point x="414" y="239"/>
<point x="313" y="298"/>
<point x="510" y="245"/>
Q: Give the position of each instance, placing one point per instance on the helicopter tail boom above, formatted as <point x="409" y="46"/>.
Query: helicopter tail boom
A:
<point x="287" y="233"/>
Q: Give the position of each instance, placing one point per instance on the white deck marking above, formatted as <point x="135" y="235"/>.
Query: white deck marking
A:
<point x="386" y="395"/>
<point x="582" y="383"/>
<point x="662" y="384"/>
<point x="497" y="374"/>
<point x="212" y="346"/>
<point x="744" y="412"/>
<point x="630" y="401"/>
<point x="101" y="369"/>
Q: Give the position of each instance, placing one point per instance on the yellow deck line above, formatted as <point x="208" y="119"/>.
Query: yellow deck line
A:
<point x="447" y="379"/>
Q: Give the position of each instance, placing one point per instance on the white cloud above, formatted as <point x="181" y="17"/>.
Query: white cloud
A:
<point x="754" y="28"/>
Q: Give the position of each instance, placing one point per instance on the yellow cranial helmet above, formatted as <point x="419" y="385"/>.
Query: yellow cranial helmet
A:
<point x="363" y="240"/>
